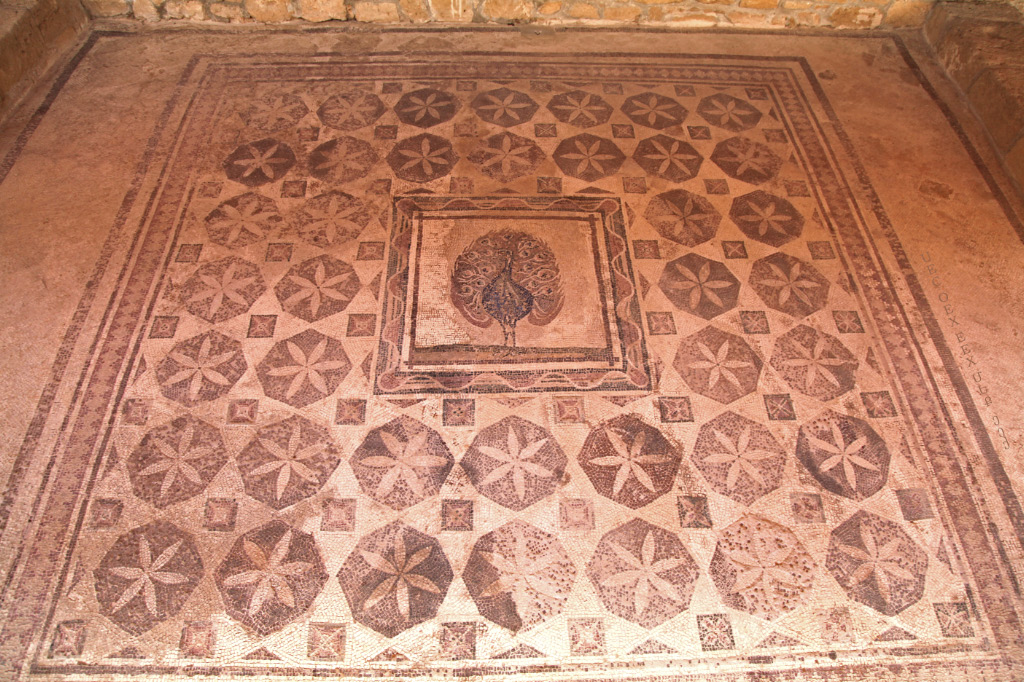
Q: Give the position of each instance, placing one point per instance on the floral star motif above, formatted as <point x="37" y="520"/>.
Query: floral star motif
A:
<point x="766" y="218"/>
<point x="426" y="157"/>
<point x="740" y="457"/>
<point x="346" y="156"/>
<point x="263" y="162"/>
<point x="728" y="112"/>
<point x="643" y="573"/>
<point x="686" y="214"/>
<point x="843" y="453"/>
<point x="306" y="368"/>
<point x="882" y="563"/>
<point x="401" y="575"/>
<point x="402" y="461"/>
<point x="700" y="285"/>
<point x="816" y="362"/>
<point x="288" y="460"/>
<point x="424" y="105"/>
<point x="147" y="575"/>
<point x="247" y="218"/>
<point x="514" y="460"/>
<point x="331" y="217"/>
<point x="521" y="573"/>
<point x="316" y="290"/>
<point x="270" y="574"/>
<point x="671" y="156"/>
<point x="748" y="158"/>
<point x="227" y="287"/>
<point x="201" y="368"/>
<point x="507" y="155"/>
<point x="269" y="112"/>
<point x="589" y="157"/>
<point x="580" y="105"/>
<point x="629" y="459"/>
<point x="652" y="109"/>
<point x="504" y="107"/>
<point x="352" y="109"/>
<point x="175" y="460"/>
<point x="790" y="284"/>
<point x="761" y="568"/>
<point x="720" y="365"/>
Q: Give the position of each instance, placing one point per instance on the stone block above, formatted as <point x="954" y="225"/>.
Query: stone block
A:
<point x="759" y="4"/>
<point x="107" y="8"/>
<point x="191" y="10"/>
<point x="227" y="11"/>
<point x="856" y="17"/>
<point x="268" y="11"/>
<point x="623" y="13"/>
<point x="549" y="8"/>
<point x="968" y="48"/>
<point x="583" y="10"/>
<point x="376" y="12"/>
<point x="415" y="10"/>
<point x="507" y="10"/>
<point x="452" y="10"/>
<point x="750" y="19"/>
<point x="147" y="10"/>
<point x="997" y="95"/>
<point x="322" y="10"/>
<point x="693" y="19"/>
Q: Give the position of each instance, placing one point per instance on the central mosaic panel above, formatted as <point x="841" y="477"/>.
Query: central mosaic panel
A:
<point x="503" y="294"/>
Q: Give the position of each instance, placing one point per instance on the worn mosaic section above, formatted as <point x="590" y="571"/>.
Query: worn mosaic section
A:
<point x="472" y="365"/>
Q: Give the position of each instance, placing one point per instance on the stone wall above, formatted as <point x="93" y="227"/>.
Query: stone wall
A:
<point x="33" y="35"/>
<point x="684" y="13"/>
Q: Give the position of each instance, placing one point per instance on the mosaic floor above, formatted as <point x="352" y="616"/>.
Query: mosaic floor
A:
<point x="509" y="364"/>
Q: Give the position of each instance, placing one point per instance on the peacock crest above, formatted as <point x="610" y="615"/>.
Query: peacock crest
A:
<point x="507" y="276"/>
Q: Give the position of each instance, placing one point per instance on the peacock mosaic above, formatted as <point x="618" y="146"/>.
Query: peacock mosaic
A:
<point x="506" y="364"/>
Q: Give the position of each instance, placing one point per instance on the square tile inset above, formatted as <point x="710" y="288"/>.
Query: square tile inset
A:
<point x="197" y="640"/>
<point x="914" y="504"/>
<point x="339" y="516"/>
<point x="279" y="253"/>
<point x="106" y="512"/>
<point x="586" y="637"/>
<point x="754" y="322"/>
<point x="807" y="507"/>
<point x="188" y="253"/>
<point x="646" y="249"/>
<point x="361" y="324"/>
<point x="220" y="514"/>
<point x="878" y="404"/>
<point x="457" y="515"/>
<point x="442" y="336"/>
<point x="693" y="511"/>
<point x="675" y="410"/>
<point x="163" y="327"/>
<point x="715" y="632"/>
<point x="370" y="251"/>
<point x="262" y="326"/>
<point x="243" y="411"/>
<point x="779" y="407"/>
<point x="734" y="249"/>
<point x="458" y="641"/>
<point x="576" y="515"/>
<point x="326" y="642"/>
<point x="661" y="324"/>
<point x="350" y="412"/>
<point x="458" y="412"/>
<point x="569" y="410"/>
